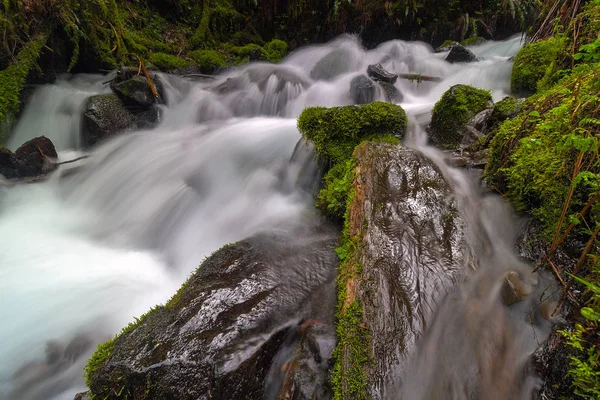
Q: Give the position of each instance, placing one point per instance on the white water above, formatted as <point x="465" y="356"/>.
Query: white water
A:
<point x="107" y="238"/>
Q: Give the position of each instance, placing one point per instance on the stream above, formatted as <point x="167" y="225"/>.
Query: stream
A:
<point x="108" y="237"/>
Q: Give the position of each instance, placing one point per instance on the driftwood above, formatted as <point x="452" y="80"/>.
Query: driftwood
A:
<point x="419" y="77"/>
<point x="205" y="76"/>
<point x="38" y="178"/>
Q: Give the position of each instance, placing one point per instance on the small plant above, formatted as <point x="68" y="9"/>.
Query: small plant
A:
<point x="589" y="52"/>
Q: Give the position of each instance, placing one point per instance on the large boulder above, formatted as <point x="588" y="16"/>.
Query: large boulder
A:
<point x="404" y="248"/>
<point x="449" y="128"/>
<point x="256" y="317"/>
<point x="362" y="90"/>
<point x="135" y="92"/>
<point x="106" y="115"/>
<point x="378" y="73"/>
<point x="460" y="54"/>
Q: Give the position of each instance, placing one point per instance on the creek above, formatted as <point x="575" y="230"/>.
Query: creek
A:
<point x="108" y="237"/>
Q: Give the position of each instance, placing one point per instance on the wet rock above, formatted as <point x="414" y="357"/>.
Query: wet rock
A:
<point x="409" y="251"/>
<point x="514" y="288"/>
<point x="106" y="115"/>
<point x="362" y="90"/>
<point x="82" y="396"/>
<point x="460" y="54"/>
<point x="127" y="73"/>
<point x="476" y="159"/>
<point x="452" y="119"/>
<point x="334" y="64"/>
<point x="32" y="159"/>
<point x="219" y="336"/>
<point x="378" y="73"/>
<point x="135" y="92"/>
<point x="392" y="94"/>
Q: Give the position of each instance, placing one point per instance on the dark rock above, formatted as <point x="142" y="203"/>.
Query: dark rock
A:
<point x="334" y="64"/>
<point x="392" y="94"/>
<point x="105" y="115"/>
<point x="459" y="54"/>
<point x="135" y="92"/>
<point x="446" y="46"/>
<point x="8" y="164"/>
<point x="411" y="250"/>
<point x="378" y="73"/>
<point x="515" y="288"/>
<point x="260" y="303"/>
<point x="82" y="396"/>
<point x="230" y="85"/>
<point x="362" y="90"/>
<point x="126" y="73"/>
<point x="255" y="55"/>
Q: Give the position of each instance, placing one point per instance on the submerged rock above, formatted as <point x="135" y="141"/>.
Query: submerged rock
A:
<point x="449" y="128"/>
<point x="334" y="64"/>
<point x="106" y="115"/>
<point x="460" y="54"/>
<point x="378" y="73"/>
<point x="362" y="90"/>
<point x="392" y="94"/>
<point x="404" y="250"/>
<point x="256" y="317"/>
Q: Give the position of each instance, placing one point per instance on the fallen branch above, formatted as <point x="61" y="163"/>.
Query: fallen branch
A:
<point x="419" y="77"/>
<point x="199" y="76"/>
<point x="72" y="161"/>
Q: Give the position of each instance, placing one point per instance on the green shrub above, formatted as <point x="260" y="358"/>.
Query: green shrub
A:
<point x="275" y="50"/>
<point x="472" y="41"/>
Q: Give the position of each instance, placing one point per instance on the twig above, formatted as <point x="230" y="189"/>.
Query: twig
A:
<point x="199" y="76"/>
<point x="72" y="161"/>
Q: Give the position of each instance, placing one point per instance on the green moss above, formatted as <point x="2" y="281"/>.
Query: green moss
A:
<point x="98" y="360"/>
<point x="208" y="61"/>
<point x="537" y="65"/>
<point x="336" y="131"/>
<point x="13" y="78"/>
<point x="446" y="44"/>
<point x="275" y="50"/>
<point x="453" y="111"/>
<point x="472" y="41"/>
<point x="166" y="62"/>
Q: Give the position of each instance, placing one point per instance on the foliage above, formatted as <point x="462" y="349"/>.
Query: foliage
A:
<point x="337" y="183"/>
<point x="276" y="49"/>
<point x="167" y="62"/>
<point x="585" y="369"/>
<point x="336" y="131"/>
<point x="472" y="41"/>
<point x="536" y="65"/>
<point x="453" y="111"/>
<point x="208" y="61"/>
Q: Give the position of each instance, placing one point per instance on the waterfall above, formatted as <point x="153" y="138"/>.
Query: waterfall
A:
<point x="106" y="238"/>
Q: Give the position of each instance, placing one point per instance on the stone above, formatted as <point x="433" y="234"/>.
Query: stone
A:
<point x="514" y="289"/>
<point x="460" y="54"/>
<point x="378" y="73"/>
<point x="256" y="315"/>
<point x="362" y="90"/>
<point x="411" y="249"/>
<point x="334" y="64"/>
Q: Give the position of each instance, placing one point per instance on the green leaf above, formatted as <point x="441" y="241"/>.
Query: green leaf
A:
<point x="590" y="314"/>
<point x="590" y="285"/>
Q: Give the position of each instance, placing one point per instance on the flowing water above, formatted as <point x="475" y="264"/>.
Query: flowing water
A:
<point x="108" y="237"/>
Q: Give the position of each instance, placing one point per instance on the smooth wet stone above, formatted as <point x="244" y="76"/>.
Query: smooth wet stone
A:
<point x="256" y="315"/>
<point x="514" y="288"/>
<point x="135" y="92"/>
<point x="460" y="54"/>
<point x="332" y="65"/>
<point x="392" y="94"/>
<point x="34" y="158"/>
<point x="378" y="73"/>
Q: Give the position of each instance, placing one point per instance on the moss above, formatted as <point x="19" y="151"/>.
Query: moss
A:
<point x="453" y="111"/>
<point x="208" y="61"/>
<point x="98" y="360"/>
<point x="447" y="44"/>
<point x="533" y="156"/>
<point x="166" y="62"/>
<point x="336" y="131"/>
<point x="13" y="78"/>
<point x="472" y="41"/>
<point x="537" y="65"/>
<point x="275" y="50"/>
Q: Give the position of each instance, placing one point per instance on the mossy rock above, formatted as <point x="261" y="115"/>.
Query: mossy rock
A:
<point x="536" y="66"/>
<point x="135" y="92"/>
<point x="209" y="61"/>
<point x="506" y="108"/>
<point x="336" y="131"/>
<point x="275" y="50"/>
<point x="453" y="111"/>
<point x="446" y="46"/>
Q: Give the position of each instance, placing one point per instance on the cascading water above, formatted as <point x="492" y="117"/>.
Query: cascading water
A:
<point x="106" y="238"/>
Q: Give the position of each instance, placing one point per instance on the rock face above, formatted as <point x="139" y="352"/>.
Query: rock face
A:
<point x="254" y="320"/>
<point x="378" y="73"/>
<point x="405" y="249"/>
<point x="449" y="128"/>
<point x="332" y="65"/>
<point x="106" y="115"/>
<point x="459" y="54"/>
<point x="30" y="160"/>
<point x="392" y="94"/>
<point x="362" y="90"/>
